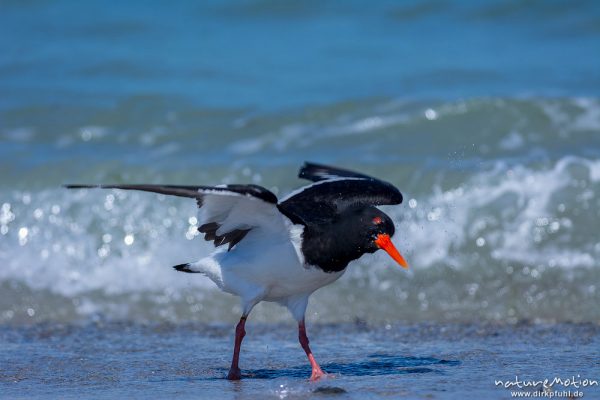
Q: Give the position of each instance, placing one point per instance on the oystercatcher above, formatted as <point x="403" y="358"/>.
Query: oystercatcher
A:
<point x="283" y="250"/>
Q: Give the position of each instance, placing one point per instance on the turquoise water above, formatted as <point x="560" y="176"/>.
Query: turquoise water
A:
<point x="485" y="114"/>
<point x="263" y="54"/>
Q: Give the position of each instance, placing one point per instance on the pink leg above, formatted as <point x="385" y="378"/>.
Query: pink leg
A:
<point x="317" y="372"/>
<point x="234" y="372"/>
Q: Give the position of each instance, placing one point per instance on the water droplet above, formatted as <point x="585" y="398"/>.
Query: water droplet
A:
<point x="30" y="312"/>
<point x="103" y="251"/>
<point x="435" y="214"/>
<point x="6" y="215"/>
<point x="412" y="203"/>
<point x="192" y="232"/>
<point x="23" y="233"/>
<point x="472" y="289"/>
<point x="192" y="220"/>
<point x="480" y="242"/>
<point x="543" y="221"/>
<point x="431" y="114"/>
<point x="129" y="239"/>
<point x="86" y="135"/>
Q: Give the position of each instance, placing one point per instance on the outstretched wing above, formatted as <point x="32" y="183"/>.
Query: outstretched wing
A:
<point x="197" y="192"/>
<point x="227" y="212"/>
<point x="319" y="172"/>
<point x="334" y="191"/>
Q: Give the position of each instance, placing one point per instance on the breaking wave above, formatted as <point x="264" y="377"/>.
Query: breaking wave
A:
<point x="509" y="242"/>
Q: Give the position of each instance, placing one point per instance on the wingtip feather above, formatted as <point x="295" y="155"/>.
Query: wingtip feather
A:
<point x="79" y="186"/>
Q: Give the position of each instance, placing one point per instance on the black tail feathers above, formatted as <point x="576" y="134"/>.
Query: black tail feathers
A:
<point x="184" y="268"/>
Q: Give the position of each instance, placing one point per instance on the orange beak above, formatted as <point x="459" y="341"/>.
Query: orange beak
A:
<point x="384" y="242"/>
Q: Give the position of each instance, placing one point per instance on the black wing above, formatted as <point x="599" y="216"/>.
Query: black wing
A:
<point x="325" y="199"/>
<point x="196" y="192"/>
<point x="319" y="172"/>
<point x="216" y="204"/>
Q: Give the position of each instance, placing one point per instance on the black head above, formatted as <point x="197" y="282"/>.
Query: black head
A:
<point x="355" y="232"/>
<point x="375" y="229"/>
<point x="368" y="223"/>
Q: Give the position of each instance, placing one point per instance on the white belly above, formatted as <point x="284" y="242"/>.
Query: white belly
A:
<point x="274" y="274"/>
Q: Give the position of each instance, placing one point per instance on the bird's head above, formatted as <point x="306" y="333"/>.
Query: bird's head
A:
<point x="376" y="229"/>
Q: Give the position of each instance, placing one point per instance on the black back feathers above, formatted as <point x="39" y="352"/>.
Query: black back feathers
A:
<point x="319" y="172"/>
<point x="335" y="190"/>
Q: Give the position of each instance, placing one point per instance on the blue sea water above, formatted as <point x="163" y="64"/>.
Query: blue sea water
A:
<point x="485" y="114"/>
<point x="265" y="55"/>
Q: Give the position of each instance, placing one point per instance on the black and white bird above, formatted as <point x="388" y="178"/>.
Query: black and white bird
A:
<point x="283" y="250"/>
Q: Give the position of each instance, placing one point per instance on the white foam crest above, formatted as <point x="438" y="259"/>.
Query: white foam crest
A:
<point x="307" y="133"/>
<point x="564" y="117"/>
<point x="71" y="242"/>
<point x="110" y="252"/>
<point x="586" y="116"/>
<point x="509" y="214"/>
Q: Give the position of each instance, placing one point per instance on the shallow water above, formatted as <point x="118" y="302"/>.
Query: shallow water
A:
<point x="438" y="361"/>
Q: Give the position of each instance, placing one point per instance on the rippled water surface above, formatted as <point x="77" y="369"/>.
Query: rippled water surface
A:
<point x="190" y="361"/>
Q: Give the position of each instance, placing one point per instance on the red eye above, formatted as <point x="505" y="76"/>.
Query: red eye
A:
<point x="377" y="220"/>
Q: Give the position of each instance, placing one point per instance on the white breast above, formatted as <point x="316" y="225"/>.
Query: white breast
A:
<point x="267" y="265"/>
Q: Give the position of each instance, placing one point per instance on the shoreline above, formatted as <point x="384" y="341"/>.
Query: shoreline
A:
<point x="445" y="361"/>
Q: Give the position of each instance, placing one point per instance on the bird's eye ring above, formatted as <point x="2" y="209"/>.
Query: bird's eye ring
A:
<point x="377" y="220"/>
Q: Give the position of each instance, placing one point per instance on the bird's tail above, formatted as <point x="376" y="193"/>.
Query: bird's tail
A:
<point x="207" y="266"/>
<point x="185" y="268"/>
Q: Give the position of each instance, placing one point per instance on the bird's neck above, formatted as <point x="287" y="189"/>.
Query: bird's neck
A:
<point x="330" y="247"/>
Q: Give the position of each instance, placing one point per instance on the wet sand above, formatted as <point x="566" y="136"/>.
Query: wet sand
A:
<point x="113" y="360"/>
